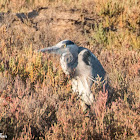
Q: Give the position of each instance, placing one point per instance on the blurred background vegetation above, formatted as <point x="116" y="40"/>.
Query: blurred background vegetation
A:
<point x="36" y="99"/>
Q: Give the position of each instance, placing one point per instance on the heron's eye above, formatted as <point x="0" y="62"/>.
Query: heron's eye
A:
<point x="64" y="46"/>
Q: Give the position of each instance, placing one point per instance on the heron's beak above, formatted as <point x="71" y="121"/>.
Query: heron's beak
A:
<point x="53" y="49"/>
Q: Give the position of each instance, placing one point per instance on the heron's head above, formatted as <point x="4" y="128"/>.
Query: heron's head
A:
<point x="62" y="47"/>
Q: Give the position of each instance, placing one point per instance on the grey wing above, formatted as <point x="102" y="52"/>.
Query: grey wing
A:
<point x="91" y="60"/>
<point x="97" y="68"/>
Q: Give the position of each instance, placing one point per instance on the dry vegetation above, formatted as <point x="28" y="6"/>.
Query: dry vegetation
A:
<point x="36" y="100"/>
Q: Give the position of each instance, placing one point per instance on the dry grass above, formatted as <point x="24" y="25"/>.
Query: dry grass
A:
<point x="36" y="99"/>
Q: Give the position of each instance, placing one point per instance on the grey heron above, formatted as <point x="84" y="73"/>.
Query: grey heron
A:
<point x="81" y="64"/>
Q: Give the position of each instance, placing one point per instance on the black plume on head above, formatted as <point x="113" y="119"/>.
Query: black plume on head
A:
<point x="68" y="42"/>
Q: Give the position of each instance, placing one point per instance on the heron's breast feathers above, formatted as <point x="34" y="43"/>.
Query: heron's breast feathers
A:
<point x="68" y="62"/>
